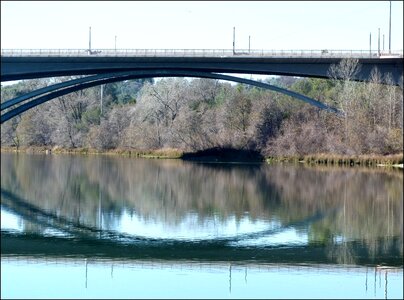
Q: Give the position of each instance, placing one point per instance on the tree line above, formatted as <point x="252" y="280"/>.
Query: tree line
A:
<point x="198" y="114"/>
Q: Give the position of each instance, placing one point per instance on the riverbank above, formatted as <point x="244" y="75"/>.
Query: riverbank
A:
<point x="226" y="155"/>
<point x="373" y="160"/>
<point x="158" y="154"/>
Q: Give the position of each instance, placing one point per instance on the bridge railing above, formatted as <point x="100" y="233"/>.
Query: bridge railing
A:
<point x="198" y="53"/>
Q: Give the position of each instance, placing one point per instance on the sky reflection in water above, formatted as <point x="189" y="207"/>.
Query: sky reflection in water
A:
<point x="154" y="279"/>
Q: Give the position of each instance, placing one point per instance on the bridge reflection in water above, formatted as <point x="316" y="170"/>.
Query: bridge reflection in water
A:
<point x="77" y="240"/>
<point x="113" y="213"/>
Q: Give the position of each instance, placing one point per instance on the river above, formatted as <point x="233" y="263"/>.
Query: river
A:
<point x="104" y="226"/>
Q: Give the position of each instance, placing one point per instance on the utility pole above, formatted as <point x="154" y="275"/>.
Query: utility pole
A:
<point x="383" y="42"/>
<point x="234" y="40"/>
<point x="89" y="41"/>
<point x="390" y="30"/>
<point x="378" y="43"/>
<point x="115" y="43"/>
<point x="370" y="44"/>
<point x="249" y="44"/>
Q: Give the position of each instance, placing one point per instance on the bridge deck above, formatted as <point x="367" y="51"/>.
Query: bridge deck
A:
<point x="199" y="53"/>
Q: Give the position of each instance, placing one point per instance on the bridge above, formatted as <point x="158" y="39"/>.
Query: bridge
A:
<point x="106" y="65"/>
<point x="28" y="64"/>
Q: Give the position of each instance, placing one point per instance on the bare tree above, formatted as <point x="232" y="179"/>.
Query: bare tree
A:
<point x="9" y="134"/>
<point x="236" y="118"/>
<point x="159" y="106"/>
<point x="345" y="71"/>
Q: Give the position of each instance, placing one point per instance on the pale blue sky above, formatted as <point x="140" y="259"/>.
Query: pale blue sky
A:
<point x="197" y="25"/>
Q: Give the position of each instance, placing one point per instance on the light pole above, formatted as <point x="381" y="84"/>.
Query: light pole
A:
<point x="378" y="43"/>
<point x="249" y="44"/>
<point x="390" y="30"/>
<point x="234" y="40"/>
<point x="383" y="42"/>
<point x="89" y="41"/>
<point x="115" y="43"/>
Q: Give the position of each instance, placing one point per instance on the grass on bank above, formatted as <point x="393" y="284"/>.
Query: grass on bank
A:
<point x="343" y="160"/>
<point x="169" y="153"/>
<point x="158" y="153"/>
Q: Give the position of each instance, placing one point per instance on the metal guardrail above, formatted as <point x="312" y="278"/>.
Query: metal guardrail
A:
<point x="198" y="53"/>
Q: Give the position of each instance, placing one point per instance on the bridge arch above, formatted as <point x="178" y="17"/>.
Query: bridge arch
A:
<point x="70" y="86"/>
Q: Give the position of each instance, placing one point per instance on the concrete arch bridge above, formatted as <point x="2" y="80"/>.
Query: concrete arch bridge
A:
<point x="105" y="66"/>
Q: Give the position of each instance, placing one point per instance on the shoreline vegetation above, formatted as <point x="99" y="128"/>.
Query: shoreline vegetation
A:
<point x="227" y="155"/>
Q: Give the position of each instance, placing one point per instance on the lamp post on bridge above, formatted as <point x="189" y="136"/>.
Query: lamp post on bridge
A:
<point x="383" y="42"/>
<point x="89" y="41"/>
<point x="390" y="30"/>
<point x="234" y="40"/>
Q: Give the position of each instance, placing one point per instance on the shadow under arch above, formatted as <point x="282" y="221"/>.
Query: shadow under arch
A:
<point x="64" y="88"/>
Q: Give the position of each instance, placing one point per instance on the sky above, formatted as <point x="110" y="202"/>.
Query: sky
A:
<point x="287" y="25"/>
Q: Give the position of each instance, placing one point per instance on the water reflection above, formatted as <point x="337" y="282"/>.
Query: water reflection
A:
<point x="168" y="209"/>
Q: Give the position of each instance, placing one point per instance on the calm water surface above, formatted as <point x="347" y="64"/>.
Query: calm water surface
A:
<point x="115" y="227"/>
